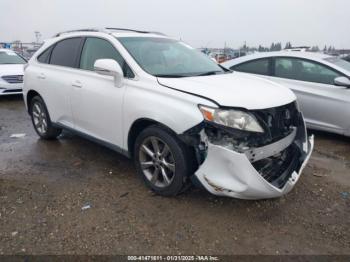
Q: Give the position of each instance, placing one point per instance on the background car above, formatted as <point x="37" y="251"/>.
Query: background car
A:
<point x="11" y="72"/>
<point x="347" y="58"/>
<point x="320" y="82"/>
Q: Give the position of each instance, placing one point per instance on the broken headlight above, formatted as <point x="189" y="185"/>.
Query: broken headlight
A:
<point x="232" y="118"/>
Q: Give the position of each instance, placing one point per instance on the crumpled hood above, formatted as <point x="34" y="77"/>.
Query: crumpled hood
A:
<point x="234" y="90"/>
<point x="16" y="69"/>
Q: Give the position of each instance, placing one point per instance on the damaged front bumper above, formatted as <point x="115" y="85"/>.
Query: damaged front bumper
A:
<point x="228" y="173"/>
<point x="250" y="166"/>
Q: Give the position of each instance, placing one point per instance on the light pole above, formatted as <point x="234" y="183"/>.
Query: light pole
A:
<point x="37" y="36"/>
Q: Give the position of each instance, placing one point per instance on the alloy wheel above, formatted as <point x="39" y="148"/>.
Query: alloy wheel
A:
<point x="39" y="118"/>
<point x="157" y="161"/>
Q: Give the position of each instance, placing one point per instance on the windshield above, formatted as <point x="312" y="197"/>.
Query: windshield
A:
<point x="165" y="57"/>
<point x="10" y="57"/>
<point x="339" y="62"/>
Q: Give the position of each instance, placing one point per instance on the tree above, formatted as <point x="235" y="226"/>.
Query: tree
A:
<point x="288" y="45"/>
<point x="278" y="46"/>
<point x="245" y="48"/>
<point x="315" y="49"/>
<point x="263" y="49"/>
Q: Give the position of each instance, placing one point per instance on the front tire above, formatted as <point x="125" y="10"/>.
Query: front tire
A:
<point x="161" y="160"/>
<point x="41" y="119"/>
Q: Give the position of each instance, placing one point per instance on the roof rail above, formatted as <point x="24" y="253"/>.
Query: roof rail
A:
<point x="107" y="30"/>
<point x="80" y="30"/>
<point x="127" y="29"/>
<point x="134" y="30"/>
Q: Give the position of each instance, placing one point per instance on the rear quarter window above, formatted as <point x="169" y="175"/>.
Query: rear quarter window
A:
<point x="66" y="52"/>
<point x="45" y="56"/>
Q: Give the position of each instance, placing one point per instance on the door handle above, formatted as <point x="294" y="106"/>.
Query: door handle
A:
<point x="41" y="76"/>
<point x="77" y="84"/>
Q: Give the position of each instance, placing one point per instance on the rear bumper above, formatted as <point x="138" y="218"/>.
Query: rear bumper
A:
<point x="228" y="173"/>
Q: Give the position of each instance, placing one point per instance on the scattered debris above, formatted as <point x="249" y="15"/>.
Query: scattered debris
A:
<point x="123" y="195"/>
<point x="87" y="206"/>
<point x="77" y="163"/>
<point x="345" y="195"/>
<point x="18" y="135"/>
<point x="319" y="175"/>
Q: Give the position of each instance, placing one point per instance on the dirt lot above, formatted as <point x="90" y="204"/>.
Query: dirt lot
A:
<point x="44" y="185"/>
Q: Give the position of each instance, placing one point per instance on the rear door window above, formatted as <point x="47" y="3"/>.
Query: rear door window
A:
<point x="304" y="70"/>
<point x="260" y="67"/>
<point x="66" y="52"/>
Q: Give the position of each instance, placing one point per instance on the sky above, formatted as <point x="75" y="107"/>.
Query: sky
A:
<point x="201" y="23"/>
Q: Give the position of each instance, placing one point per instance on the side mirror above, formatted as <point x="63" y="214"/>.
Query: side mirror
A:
<point x="342" y="81"/>
<point x="109" y="67"/>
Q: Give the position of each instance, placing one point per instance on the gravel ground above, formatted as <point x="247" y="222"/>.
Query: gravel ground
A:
<point x="44" y="185"/>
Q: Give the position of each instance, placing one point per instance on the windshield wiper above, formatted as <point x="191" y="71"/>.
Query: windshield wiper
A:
<point x="209" y="73"/>
<point x="170" y="76"/>
<point x="201" y="74"/>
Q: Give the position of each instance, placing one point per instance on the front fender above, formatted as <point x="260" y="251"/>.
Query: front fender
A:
<point x="176" y="110"/>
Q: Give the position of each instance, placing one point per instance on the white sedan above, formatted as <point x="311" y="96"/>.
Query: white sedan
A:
<point x="320" y="82"/>
<point x="11" y="72"/>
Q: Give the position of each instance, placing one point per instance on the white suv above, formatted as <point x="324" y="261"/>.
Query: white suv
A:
<point x="178" y="114"/>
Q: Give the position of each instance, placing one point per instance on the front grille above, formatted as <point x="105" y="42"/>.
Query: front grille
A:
<point x="278" y="121"/>
<point x="278" y="169"/>
<point x="13" y="79"/>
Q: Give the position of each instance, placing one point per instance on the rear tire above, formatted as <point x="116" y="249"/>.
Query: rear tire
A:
<point x="161" y="159"/>
<point x="41" y="119"/>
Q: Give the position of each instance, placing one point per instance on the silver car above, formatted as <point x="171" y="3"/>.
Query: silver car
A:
<point x="320" y="82"/>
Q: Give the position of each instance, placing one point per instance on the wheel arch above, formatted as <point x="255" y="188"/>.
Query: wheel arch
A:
<point x="138" y="126"/>
<point x="30" y="95"/>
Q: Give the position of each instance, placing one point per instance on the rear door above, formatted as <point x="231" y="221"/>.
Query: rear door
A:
<point x="96" y="101"/>
<point x="55" y="73"/>
<point x="322" y="102"/>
